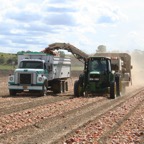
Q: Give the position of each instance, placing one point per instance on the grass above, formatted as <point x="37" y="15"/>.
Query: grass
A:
<point x="7" y="67"/>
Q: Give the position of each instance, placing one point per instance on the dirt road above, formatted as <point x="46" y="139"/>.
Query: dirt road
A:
<point x="29" y="119"/>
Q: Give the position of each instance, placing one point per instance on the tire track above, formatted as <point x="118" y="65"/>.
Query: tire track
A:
<point x="20" y="106"/>
<point x="55" y="127"/>
<point x="106" y="136"/>
<point x="72" y="124"/>
<point x="16" y="121"/>
<point x="97" y="128"/>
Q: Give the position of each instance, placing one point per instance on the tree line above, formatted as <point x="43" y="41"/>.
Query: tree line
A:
<point x="8" y="59"/>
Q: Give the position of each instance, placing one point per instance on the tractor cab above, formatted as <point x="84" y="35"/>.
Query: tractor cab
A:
<point x="99" y="64"/>
<point x="97" y="78"/>
<point x="98" y="75"/>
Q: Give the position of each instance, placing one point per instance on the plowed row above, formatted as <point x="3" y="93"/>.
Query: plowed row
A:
<point x="62" y="118"/>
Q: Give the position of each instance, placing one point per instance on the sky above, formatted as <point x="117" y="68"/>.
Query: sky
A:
<point x="86" y="24"/>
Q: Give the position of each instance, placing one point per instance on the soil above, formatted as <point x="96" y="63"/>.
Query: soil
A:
<point x="64" y="119"/>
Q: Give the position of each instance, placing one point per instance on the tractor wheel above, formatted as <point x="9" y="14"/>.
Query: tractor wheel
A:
<point x="86" y="94"/>
<point x="77" y="89"/>
<point x="113" y="90"/>
<point x="118" y="86"/>
<point x="12" y="92"/>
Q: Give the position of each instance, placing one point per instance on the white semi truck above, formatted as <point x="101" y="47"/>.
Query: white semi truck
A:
<point x="39" y="72"/>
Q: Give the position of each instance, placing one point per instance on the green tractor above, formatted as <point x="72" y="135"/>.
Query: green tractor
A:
<point x="98" y="78"/>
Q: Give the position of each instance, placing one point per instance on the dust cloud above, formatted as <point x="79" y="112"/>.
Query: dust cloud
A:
<point x="137" y="70"/>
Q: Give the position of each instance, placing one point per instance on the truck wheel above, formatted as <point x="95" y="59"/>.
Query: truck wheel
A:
<point x="12" y="92"/>
<point x="77" y="89"/>
<point x="66" y="86"/>
<point x="43" y="92"/>
<point x="57" y="87"/>
<point x="113" y="90"/>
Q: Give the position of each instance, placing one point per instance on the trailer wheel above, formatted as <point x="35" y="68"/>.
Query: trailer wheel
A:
<point x="77" y="89"/>
<point x="113" y="90"/>
<point x="12" y="92"/>
<point x="123" y="89"/>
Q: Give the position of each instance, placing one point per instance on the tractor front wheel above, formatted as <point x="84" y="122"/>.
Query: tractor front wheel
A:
<point x="118" y="86"/>
<point x="113" y="90"/>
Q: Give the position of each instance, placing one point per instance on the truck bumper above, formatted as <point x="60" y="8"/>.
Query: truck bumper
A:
<point x="15" y="87"/>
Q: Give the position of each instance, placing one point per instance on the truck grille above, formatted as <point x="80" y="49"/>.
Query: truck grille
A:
<point x="25" y="79"/>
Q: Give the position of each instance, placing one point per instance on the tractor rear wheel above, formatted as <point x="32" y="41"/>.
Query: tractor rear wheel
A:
<point x="77" y="89"/>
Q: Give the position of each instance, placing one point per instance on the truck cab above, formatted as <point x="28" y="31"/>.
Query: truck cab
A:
<point x="31" y="75"/>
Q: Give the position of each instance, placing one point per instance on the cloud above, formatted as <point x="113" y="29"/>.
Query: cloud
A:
<point x="105" y="19"/>
<point x="57" y="1"/>
<point x="85" y="23"/>
<point x="60" y="19"/>
<point x="60" y="9"/>
<point x="23" y="16"/>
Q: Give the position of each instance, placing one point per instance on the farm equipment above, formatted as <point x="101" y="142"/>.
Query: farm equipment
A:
<point x="97" y="77"/>
<point x="39" y="72"/>
<point x="121" y="64"/>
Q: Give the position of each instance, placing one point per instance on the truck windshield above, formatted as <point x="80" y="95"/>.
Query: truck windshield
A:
<point x="98" y="65"/>
<point x="31" y="64"/>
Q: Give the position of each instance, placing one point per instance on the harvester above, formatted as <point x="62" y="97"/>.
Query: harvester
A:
<point x="98" y="77"/>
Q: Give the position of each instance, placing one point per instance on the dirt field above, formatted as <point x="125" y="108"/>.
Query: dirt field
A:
<point x="63" y="119"/>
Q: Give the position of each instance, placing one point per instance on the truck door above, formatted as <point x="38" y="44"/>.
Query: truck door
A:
<point x="45" y="70"/>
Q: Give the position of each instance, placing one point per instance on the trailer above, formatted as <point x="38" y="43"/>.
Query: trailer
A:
<point x="39" y="72"/>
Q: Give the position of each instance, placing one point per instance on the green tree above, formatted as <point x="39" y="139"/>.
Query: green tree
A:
<point x="2" y="59"/>
<point x="9" y="61"/>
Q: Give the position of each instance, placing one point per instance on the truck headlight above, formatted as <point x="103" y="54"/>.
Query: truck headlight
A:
<point x="11" y="79"/>
<point x="40" y="79"/>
